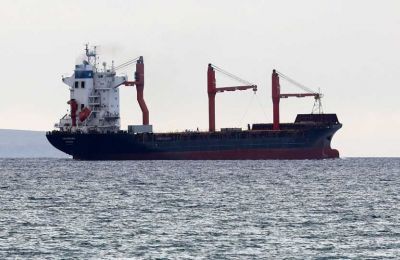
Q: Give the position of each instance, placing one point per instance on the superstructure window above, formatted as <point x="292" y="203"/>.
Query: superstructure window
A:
<point x="76" y="84"/>
<point x="82" y="106"/>
<point x="83" y="84"/>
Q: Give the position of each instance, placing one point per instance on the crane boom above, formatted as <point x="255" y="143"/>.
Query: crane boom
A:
<point x="315" y="95"/>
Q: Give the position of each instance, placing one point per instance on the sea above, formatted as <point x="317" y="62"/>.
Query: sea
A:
<point x="344" y="208"/>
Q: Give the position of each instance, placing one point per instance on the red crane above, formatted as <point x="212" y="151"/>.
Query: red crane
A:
<point x="139" y="82"/>
<point x="276" y="95"/>
<point x="213" y="90"/>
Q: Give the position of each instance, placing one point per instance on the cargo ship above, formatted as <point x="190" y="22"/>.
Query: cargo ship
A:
<point x="91" y="128"/>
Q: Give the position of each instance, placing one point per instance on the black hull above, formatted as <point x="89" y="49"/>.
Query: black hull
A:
<point x="292" y="142"/>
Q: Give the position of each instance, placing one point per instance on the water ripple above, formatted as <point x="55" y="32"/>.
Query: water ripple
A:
<point x="329" y="209"/>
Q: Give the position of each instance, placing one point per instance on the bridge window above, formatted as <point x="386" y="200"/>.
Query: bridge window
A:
<point x="83" y="84"/>
<point x="76" y="84"/>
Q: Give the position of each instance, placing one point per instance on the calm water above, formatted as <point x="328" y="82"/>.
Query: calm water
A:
<point x="60" y="208"/>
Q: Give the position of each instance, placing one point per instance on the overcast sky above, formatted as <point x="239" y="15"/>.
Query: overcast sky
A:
<point x="349" y="49"/>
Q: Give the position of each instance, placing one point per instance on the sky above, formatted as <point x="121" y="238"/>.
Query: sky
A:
<point x="348" y="49"/>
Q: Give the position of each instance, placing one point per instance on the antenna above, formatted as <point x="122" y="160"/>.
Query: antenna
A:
<point x="87" y="49"/>
<point x="91" y="55"/>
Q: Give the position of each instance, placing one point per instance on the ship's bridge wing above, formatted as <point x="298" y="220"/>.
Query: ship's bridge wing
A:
<point x="69" y="80"/>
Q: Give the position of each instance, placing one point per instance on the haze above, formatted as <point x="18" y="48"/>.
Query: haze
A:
<point x="348" y="49"/>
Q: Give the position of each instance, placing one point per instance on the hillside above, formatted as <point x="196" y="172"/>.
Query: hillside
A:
<point x="24" y="143"/>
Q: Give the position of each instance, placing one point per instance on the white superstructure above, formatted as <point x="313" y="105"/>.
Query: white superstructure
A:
<point x="94" y="97"/>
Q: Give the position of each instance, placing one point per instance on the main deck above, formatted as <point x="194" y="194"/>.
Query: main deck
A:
<point x="299" y="140"/>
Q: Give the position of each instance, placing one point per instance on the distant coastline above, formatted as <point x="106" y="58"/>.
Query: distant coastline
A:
<point x="26" y="143"/>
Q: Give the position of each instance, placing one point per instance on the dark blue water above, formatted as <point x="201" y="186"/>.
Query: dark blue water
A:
<point x="60" y="208"/>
